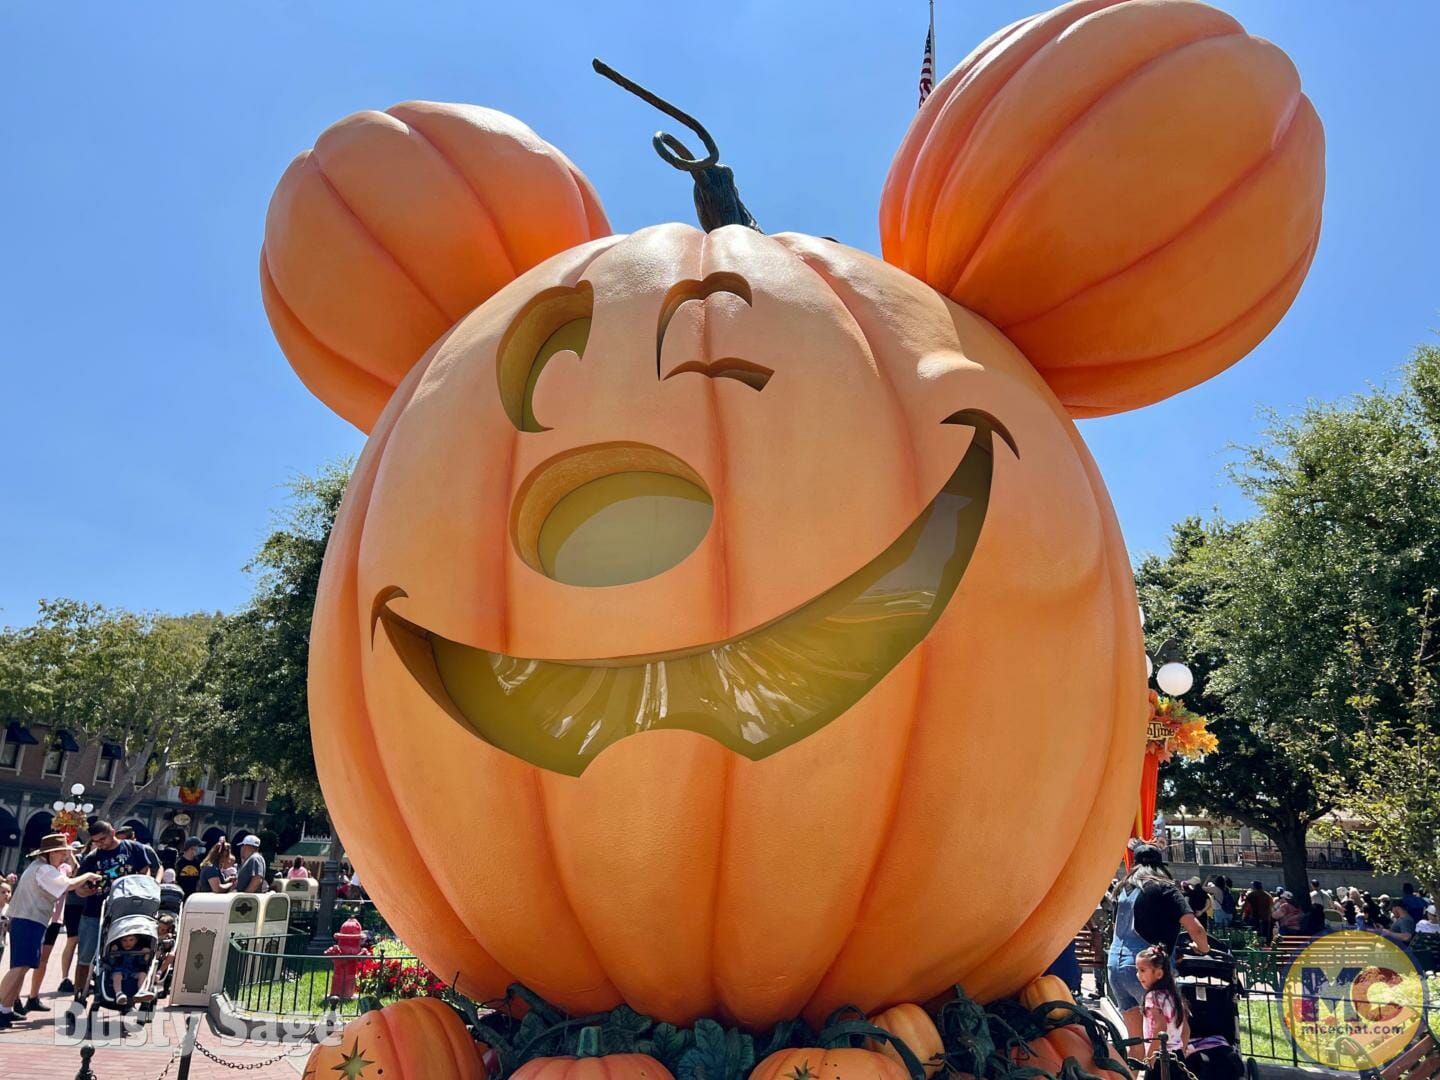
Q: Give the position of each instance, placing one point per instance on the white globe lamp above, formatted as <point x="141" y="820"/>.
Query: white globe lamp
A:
<point x="1174" y="678"/>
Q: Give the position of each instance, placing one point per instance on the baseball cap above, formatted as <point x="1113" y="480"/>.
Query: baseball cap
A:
<point x="250" y="839"/>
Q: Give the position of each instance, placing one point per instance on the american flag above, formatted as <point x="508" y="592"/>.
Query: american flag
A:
<point x="927" y="65"/>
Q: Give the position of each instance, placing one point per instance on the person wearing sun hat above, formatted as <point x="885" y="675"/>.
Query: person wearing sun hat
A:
<point x="43" y="882"/>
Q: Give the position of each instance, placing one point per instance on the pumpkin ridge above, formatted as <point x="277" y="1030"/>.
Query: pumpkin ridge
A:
<point x="1055" y="141"/>
<point x="379" y="440"/>
<point x="1231" y="191"/>
<point x="720" y="482"/>
<point x="892" y="815"/>
<point x="726" y="801"/>
<point x="1147" y="361"/>
<point x="547" y="837"/>
<point x="915" y="252"/>
<point x="371" y="381"/>
<point x="904" y="163"/>
<point x="843" y="293"/>
<point x="1063" y="884"/>
<point x="511" y="263"/>
<point x="374" y="240"/>
<point x="589" y="200"/>
<point x="1290" y="282"/>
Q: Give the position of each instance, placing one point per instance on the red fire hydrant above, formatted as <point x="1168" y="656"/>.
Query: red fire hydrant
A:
<point x="350" y="941"/>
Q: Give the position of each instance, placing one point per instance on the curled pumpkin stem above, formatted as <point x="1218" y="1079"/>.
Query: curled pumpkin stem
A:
<point x="717" y="199"/>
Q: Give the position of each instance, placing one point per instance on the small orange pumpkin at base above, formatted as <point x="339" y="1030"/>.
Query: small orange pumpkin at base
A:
<point x="1050" y="1051"/>
<point x="414" y="1039"/>
<point x="814" y="1063"/>
<point x="1045" y="989"/>
<point x="609" y="1067"/>
<point x="913" y="1025"/>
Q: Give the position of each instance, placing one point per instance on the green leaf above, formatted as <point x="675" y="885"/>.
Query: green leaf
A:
<point x="668" y="1045"/>
<point x="705" y="1060"/>
<point x="739" y="1054"/>
<point x="627" y="1019"/>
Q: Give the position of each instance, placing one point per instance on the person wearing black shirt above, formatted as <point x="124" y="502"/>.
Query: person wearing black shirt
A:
<point x="1162" y="912"/>
<point x="112" y="859"/>
<point x="187" y="866"/>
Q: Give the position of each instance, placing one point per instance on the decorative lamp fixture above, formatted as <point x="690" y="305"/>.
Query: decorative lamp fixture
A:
<point x="1174" y="678"/>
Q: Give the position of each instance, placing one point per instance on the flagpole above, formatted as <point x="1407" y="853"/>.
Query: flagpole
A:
<point x="927" y="64"/>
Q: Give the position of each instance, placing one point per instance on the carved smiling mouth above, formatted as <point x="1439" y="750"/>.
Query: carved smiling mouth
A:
<point x="757" y="693"/>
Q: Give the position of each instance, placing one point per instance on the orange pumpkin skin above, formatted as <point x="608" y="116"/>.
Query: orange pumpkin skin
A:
<point x="609" y="1067"/>
<point x="415" y="1039"/>
<point x="1003" y="194"/>
<point x="813" y="1063"/>
<point x="1046" y="988"/>
<point x="651" y="878"/>
<point x="1050" y="1052"/>
<point x="913" y="1025"/>
<point x="397" y="224"/>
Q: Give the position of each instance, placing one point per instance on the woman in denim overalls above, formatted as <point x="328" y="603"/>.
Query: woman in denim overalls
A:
<point x="1126" y="944"/>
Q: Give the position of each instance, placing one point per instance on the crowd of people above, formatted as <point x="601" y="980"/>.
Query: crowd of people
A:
<point x="1151" y="913"/>
<point x="1278" y="912"/>
<point x="63" y="888"/>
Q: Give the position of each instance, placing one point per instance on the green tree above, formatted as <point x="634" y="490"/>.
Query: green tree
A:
<point x="1346" y="532"/>
<point x="1398" y="753"/>
<point x="113" y="675"/>
<point x="256" y="721"/>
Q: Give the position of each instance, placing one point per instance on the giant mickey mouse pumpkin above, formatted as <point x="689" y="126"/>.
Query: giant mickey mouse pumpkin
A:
<point x="676" y="638"/>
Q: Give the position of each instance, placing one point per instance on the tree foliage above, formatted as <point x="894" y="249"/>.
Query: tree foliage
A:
<point x="1398" y="751"/>
<point x="1346" y="533"/>
<point x="256" y="722"/>
<point x="107" y="674"/>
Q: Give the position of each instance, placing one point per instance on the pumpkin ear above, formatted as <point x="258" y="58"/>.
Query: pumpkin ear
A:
<point x="399" y="223"/>
<point x="1130" y="191"/>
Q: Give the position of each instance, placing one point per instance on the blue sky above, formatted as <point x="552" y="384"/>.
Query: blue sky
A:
<point x="150" y="422"/>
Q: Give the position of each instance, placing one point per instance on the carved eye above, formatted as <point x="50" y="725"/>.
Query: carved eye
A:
<point x="751" y="374"/>
<point x="554" y="321"/>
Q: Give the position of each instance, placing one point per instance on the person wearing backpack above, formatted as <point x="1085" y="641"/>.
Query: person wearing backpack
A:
<point x="1128" y="940"/>
<point x="1162" y="911"/>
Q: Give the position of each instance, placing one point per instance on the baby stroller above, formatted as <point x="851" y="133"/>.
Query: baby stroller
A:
<point x="1212" y="988"/>
<point x="131" y="908"/>
<point x="172" y="900"/>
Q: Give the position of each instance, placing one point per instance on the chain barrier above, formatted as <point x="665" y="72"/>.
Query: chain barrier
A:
<point x="246" y="1065"/>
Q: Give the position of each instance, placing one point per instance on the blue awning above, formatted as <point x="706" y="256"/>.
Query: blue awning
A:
<point x="112" y="751"/>
<point x="65" y="741"/>
<point x="19" y="734"/>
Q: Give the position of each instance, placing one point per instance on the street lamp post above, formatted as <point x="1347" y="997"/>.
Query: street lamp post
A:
<point x="329" y="887"/>
<point x="72" y="814"/>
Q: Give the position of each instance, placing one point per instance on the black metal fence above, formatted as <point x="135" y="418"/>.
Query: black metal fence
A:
<point x="275" y="976"/>
<point x="1259" y="852"/>
<point x="303" y="919"/>
<point x="1261" y="1001"/>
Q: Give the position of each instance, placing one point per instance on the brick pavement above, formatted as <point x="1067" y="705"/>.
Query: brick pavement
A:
<point x="36" y="1049"/>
